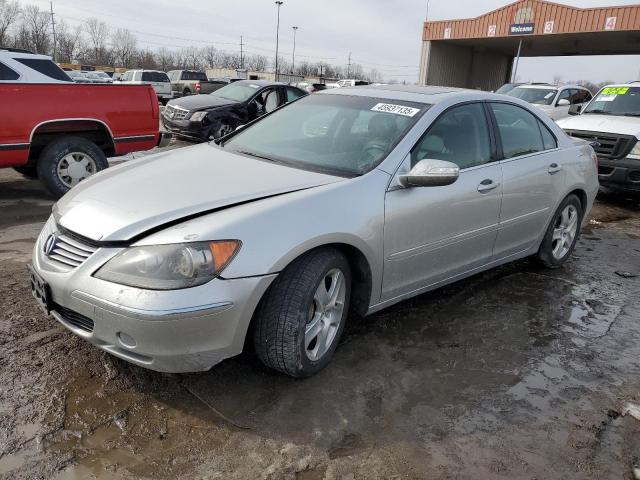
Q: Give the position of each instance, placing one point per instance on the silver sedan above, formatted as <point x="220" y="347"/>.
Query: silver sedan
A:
<point x="341" y="203"/>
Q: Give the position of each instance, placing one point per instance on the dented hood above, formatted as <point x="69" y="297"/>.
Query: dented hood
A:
<point x="126" y="201"/>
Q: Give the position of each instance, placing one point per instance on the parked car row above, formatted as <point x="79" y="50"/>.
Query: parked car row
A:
<point x="89" y="77"/>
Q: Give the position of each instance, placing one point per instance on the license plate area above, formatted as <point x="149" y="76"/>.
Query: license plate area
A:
<point x="40" y="290"/>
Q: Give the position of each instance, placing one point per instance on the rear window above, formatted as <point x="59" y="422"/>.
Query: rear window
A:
<point x="45" y="67"/>
<point x="194" y="76"/>
<point x="155" y="77"/>
<point x="7" y="74"/>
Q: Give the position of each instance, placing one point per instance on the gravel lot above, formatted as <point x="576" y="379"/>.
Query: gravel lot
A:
<point x="520" y="372"/>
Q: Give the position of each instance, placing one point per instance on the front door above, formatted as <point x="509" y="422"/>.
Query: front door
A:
<point x="436" y="233"/>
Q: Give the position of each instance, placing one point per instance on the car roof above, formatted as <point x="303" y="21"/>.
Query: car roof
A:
<point x="415" y="93"/>
<point x="551" y="87"/>
<point x="261" y="83"/>
<point x="23" y="54"/>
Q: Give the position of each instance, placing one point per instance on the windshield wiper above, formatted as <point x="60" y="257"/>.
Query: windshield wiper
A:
<point x="256" y="155"/>
<point x="600" y="112"/>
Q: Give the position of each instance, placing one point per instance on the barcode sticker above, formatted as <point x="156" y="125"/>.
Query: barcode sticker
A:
<point x="395" y="109"/>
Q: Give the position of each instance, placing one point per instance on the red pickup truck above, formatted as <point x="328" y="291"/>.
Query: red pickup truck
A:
<point x="62" y="132"/>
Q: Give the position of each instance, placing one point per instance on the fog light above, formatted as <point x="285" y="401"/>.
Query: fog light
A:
<point x="126" y="340"/>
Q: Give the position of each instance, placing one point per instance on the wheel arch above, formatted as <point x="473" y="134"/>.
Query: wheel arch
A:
<point x="91" y="129"/>
<point x="361" y="279"/>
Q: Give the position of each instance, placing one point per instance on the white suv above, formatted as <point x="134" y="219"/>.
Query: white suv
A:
<point x="552" y="99"/>
<point x="22" y="66"/>
<point x="612" y="122"/>
<point x="158" y="80"/>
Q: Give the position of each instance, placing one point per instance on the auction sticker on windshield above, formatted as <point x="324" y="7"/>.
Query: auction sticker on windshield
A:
<point x="395" y="109"/>
<point x="615" y="91"/>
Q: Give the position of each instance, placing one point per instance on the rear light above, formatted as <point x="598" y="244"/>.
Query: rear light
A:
<point x="198" y="87"/>
<point x="155" y="109"/>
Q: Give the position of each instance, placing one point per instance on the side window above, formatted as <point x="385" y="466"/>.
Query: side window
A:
<point x="564" y="95"/>
<point x="587" y="96"/>
<point x="6" y="74"/>
<point x="46" y="68"/>
<point x="460" y="135"/>
<point x="293" y="94"/>
<point x="519" y="130"/>
<point x="548" y="139"/>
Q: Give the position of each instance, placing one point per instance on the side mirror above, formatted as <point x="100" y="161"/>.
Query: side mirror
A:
<point x="431" y="173"/>
<point x="575" y="109"/>
<point x="563" y="102"/>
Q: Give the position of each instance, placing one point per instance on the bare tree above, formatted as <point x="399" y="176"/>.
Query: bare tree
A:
<point x="35" y="29"/>
<point x="98" y="34"/>
<point x="68" y="42"/>
<point x="124" y="45"/>
<point x="557" y="79"/>
<point x="9" y="13"/>
<point x="165" y="59"/>
<point x="210" y="56"/>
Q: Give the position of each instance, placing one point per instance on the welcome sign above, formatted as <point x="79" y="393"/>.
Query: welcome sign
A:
<point x="522" y="28"/>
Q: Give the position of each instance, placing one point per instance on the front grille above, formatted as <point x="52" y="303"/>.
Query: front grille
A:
<point x="74" y="318"/>
<point x="69" y="251"/>
<point x="611" y="146"/>
<point x="175" y="113"/>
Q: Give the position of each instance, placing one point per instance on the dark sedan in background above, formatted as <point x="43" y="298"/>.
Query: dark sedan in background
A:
<point x="209" y="117"/>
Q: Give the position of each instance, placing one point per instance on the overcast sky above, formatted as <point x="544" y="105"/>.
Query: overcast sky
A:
<point x="380" y="34"/>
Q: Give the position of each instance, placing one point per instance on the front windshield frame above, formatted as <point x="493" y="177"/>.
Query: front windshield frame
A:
<point x="232" y="142"/>
<point x="613" y="95"/>
<point x="252" y="88"/>
<point x="547" y="95"/>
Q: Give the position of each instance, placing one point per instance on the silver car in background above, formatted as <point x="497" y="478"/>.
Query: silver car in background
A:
<point x="344" y="202"/>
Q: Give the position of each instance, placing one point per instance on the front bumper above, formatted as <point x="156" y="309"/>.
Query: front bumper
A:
<point x="186" y="128"/>
<point x="621" y="174"/>
<point x="169" y="331"/>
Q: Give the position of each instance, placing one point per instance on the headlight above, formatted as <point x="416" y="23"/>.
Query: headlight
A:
<point x="198" y="116"/>
<point x="635" y="153"/>
<point x="169" y="267"/>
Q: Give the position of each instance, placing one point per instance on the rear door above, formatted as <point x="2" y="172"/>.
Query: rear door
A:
<point x="435" y="233"/>
<point x="533" y="176"/>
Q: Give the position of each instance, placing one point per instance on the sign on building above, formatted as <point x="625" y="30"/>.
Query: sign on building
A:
<point x="447" y="32"/>
<point x="548" y="27"/>
<point x="492" y="31"/>
<point x="610" y="23"/>
<point x="522" y="28"/>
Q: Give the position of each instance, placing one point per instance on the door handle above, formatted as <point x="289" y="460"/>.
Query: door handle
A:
<point x="554" y="168"/>
<point x="487" y="185"/>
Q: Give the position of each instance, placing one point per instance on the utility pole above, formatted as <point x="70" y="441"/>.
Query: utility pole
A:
<point x="514" y="74"/>
<point x="53" y="27"/>
<point x="349" y="66"/>
<point x="241" y="54"/>
<point x="279" y="4"/>
<point x="293" y="60"/>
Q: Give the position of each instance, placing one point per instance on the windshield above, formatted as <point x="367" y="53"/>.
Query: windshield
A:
<point x="240" y="92"/>
<point x="506" y="88"/>
<point x="536" y="96"/>
<point x="623" y="101"/>
<point x="336" y="134"/>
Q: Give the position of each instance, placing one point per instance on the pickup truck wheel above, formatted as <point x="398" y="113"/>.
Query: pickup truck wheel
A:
<point x="562" y="234"/>
<point x="67" y="161"/>
<point x="29" y="171"/>
<point x="301" y="318"/>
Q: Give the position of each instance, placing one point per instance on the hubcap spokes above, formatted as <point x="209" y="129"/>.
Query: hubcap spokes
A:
<point x="564" y="232"/>
<point x="325" y="314"/>
<point x="75" y="167"/>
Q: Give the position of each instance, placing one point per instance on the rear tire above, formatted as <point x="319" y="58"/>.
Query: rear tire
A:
<point x="61" y="163"/>
<point x="301" y="318"/>
<point x="223" y="128"/>
<point x="562" y="233"/>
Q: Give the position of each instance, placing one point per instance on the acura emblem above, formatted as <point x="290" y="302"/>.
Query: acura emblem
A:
<point x="49" y="244"/>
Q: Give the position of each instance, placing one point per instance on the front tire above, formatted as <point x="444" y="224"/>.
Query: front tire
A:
<point x="562" y="234"/>
<point x="67" y="161"/>
<point x="300" y="320"/>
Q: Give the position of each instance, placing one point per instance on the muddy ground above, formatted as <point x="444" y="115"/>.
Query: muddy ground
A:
<point x="517" y="373"/>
